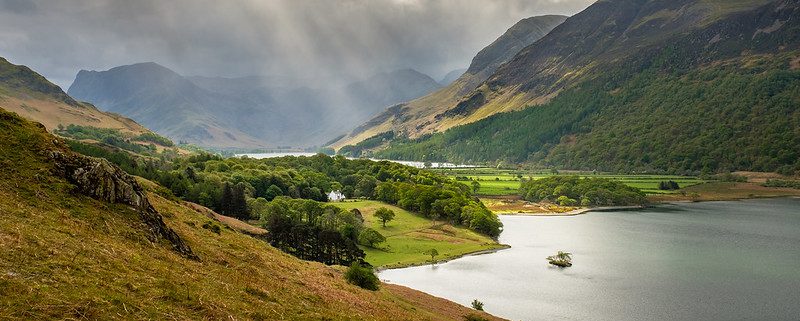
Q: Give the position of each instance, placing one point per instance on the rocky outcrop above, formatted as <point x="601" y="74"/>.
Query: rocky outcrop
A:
<point x="101" y="180"/>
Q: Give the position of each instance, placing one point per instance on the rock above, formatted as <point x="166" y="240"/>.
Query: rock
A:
<point x="101" y="180"/>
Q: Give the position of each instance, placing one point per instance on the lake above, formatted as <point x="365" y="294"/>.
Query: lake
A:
<point x="407" y="163"/>
<point x="698" y="261"/>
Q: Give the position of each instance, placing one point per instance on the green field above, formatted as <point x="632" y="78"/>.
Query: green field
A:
<point x="408" y="235"/>
<point x="499" y="182"/>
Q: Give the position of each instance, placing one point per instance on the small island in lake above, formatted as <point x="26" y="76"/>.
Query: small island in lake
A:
<point x="561" y="259"/>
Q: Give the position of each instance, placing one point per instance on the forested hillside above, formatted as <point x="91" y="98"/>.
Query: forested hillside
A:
<point x="718" y="98"/>
<point x="444" y="108"/>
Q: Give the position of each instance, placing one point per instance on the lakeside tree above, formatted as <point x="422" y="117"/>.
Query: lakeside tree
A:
<point x="385" y="215"/>
<point x="362" y="277"/>
<point x="433" y="253"/>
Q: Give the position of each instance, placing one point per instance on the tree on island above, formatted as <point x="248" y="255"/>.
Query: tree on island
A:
<point x="477" y="305"/>
<point x="561" y="259"/>
<point x="385" y="215"/>
<point x="433" y="253"/>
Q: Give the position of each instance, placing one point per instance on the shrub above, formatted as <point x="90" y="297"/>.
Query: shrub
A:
<point x="213" y="227"/>
<point x="668" y="185"/>
<point x="474" y="317"/>
<point x="362" y="276"/>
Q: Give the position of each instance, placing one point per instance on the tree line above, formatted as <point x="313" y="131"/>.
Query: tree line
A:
<point x="287" y="195"/>
<point x="574" y="190"/>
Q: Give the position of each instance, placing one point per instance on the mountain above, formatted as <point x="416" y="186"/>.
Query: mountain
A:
<point x="430" y="113"/>
<point x="104" y="245"/>
<point x="30" y="95"/>
<point x="167" y="103"/>
<point x="673" y="86"/>
<point x="450" y="77"/>
<point x="386" y="89"/>
<point x="244" y="112"/>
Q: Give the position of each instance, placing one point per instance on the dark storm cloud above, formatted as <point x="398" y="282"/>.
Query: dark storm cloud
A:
<point x="311" y="39"/>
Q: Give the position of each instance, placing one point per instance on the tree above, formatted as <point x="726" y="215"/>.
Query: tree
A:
<point x="385" y="215"/>
<point x="370" y="237"/>
<point x="272" y="192"/>
<point x="433" y="253"/>
<point x="362" y="277"/>
<point x="475" y="186"/>
<point x="238" y="202"/>
<point x="366" y="187"/>
<point x="225" y="206"/>
<point x="565" y="201"/>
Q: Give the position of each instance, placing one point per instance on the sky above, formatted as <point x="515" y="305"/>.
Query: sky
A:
<point x="314" y="40"/>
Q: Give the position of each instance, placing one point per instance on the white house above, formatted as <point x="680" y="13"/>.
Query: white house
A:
<point x="335" y="196"/>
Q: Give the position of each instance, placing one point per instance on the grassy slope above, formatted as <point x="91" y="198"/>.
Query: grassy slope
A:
<point x="30" y="95"/>
<point x="66" y="256"/>
<point x="408" y="235"/>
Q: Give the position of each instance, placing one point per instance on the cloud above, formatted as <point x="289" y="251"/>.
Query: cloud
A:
<point x="319" y="41"/>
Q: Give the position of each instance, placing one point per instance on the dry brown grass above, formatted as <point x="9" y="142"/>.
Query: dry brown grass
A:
<point x="53" y="113"/>
<point x="722" y="191"/>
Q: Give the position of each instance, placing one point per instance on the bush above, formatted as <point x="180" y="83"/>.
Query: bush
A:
<point x="668" y="185"/>
<point x="362" y="276"/>
<point x="474" y="317"/>
<point x="213" y="227"/>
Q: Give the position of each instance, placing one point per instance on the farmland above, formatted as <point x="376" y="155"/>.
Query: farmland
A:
<point x="502" y="182"/>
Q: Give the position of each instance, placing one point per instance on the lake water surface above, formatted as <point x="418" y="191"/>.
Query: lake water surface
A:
<point x="699" y="261"/>
<point x="306" y="154"/>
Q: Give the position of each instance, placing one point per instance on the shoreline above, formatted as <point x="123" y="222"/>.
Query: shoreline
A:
<point x="500" y="247"/>
<point x="579" y="211"/>
<point x="582" y="211"/>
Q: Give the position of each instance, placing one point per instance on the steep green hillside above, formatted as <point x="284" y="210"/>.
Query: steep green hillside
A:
<point x="444" y="108"/>
<point x="720" y="96"/>
<point x="82" y="240"/>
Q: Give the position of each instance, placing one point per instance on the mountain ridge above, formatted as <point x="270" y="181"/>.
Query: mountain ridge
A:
<point x="426" y="113"/>
<point x="718" y="81"/>
<point x="32" y="96"/>
<point x="242" y="112"/>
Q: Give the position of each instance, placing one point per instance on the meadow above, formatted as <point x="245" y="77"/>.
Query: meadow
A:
<point x="408" y="235"/>
<point x="502" y="182"/>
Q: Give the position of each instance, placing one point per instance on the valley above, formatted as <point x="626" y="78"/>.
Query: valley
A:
<point x="400" y="160"/>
